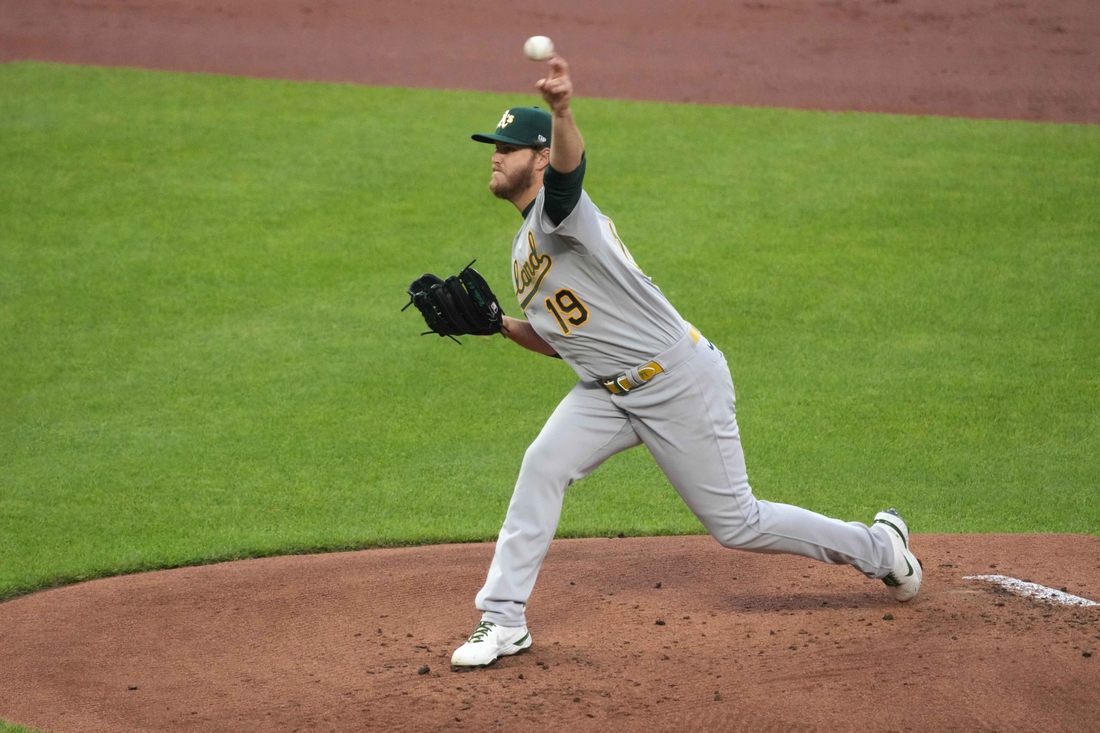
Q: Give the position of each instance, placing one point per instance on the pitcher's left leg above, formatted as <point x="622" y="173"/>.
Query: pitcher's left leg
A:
<point x="585" y="430"/>
<point x="687" y="419"/>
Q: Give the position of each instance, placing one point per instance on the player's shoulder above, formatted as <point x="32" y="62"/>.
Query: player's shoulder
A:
<point x="584" y="208"/>
<point x="586" y="200"/>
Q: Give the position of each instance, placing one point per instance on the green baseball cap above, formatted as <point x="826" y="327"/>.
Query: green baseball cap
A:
<point x="526" y="126"/>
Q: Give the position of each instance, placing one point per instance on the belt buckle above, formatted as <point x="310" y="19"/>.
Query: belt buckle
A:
<point x="615" y="386"/>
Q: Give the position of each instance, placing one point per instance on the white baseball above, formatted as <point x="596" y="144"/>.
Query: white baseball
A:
<point x="538" y="48"/>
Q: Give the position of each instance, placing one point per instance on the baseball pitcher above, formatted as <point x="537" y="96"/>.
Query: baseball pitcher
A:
<point x="646" y="377"/>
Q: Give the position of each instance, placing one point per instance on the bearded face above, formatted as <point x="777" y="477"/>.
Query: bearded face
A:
<point x="513" y="172"/>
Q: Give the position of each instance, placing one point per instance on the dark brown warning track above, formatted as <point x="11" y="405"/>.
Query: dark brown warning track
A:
<point x="1022" y="59"/>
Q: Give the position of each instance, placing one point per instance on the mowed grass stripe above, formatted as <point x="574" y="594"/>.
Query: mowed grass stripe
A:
<point x="202" y="355"/>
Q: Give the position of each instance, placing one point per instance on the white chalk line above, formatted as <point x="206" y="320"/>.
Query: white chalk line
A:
<point x="1034" y="590"/>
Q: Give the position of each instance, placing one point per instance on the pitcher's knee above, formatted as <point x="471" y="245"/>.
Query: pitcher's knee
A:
<point x="742" y="536"/>
<point x="741" y="531"/>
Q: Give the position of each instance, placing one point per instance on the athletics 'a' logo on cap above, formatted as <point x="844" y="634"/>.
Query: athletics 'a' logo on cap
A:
<point x="506" y="119"/>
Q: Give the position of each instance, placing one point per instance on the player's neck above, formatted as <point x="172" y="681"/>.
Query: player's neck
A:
<point x="524" y="199"/>
<point x="522" y="202"/>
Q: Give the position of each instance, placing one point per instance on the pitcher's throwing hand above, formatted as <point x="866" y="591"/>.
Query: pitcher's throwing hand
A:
<point x="557" y="88"/>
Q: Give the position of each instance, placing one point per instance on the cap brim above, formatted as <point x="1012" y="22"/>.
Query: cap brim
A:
<point x="499" y="139"/>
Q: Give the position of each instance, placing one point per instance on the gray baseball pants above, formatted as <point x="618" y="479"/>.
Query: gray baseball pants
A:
<point x="686" y="416"/>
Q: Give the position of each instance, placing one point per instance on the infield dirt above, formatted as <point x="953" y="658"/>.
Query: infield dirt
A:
<point x="748" y="642"/>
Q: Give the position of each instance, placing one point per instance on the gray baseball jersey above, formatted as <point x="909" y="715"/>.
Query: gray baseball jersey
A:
<point x="584" y="295"/>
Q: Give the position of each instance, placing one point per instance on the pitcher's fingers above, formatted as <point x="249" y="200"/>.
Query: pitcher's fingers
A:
<point x="558" y="65"/>
<point x="556" y="86"/>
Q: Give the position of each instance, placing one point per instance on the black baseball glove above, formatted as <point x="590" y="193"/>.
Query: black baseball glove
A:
<point x="461" y="305"/>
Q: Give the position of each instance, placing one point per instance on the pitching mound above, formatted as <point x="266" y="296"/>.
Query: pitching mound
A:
<point x="670" y="633"/>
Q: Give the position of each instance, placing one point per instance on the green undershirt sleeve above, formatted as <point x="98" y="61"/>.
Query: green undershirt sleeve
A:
<point x="563" y="191"/>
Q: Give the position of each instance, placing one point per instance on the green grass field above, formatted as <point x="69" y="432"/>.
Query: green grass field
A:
<point x="10" y="728"/>
<point x="202" y="355"/>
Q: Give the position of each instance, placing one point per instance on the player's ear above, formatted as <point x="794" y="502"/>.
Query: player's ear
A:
<point x="542" y="158"/>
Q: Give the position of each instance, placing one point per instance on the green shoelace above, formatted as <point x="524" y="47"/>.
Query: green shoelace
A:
<point x="482" y="629"/>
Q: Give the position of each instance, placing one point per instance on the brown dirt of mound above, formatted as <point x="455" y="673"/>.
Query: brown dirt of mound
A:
<point x="749" y="642"/>
<point x="1024" y="59"/>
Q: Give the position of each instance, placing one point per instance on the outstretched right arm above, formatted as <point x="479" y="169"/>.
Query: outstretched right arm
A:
<point x="566" y="143"/>
<point x="564" y="177"/>
<point x="523" y="333"/>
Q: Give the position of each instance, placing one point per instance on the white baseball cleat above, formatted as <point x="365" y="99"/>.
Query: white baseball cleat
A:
<point x="904" y="579"/>
<point x="488" y="643"/>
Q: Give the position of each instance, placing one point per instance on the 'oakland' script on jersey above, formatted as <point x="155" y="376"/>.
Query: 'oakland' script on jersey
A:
<point x="528" y="278"/>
